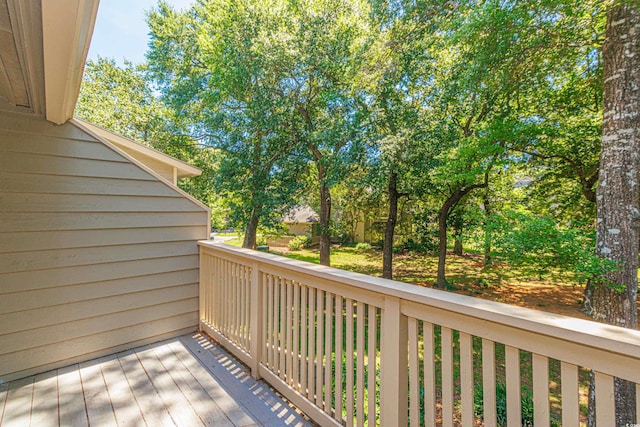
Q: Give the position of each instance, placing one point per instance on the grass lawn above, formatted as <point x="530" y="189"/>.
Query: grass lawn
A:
<point x="237" y="241"/>
<point x="557" y="292"/>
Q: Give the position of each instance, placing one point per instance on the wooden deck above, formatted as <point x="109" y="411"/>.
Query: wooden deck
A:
<point x="187" y="381"/>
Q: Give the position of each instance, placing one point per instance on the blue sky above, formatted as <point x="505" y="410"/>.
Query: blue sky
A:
<point x="121" y="30"/>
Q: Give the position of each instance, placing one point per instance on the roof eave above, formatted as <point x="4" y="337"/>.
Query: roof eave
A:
<point x="184" y="169"/>
<point x="67" y="26"/>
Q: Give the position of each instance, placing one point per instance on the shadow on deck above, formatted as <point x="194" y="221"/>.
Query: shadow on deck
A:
<point x="185" y="381"/>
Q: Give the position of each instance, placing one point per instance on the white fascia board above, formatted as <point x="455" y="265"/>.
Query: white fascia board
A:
<point x="67" y="26"/>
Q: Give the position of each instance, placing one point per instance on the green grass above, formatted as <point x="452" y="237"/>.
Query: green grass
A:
<point x="235" y="242"/>
<point x="344" y="257"/>
<point x="556" y="292"/>
<point x="234" y="234"/>
<point x="462" y="271"/>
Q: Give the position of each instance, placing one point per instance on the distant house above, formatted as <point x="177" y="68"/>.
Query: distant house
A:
<point x="300" y="220"/>
<point x="523" y="182"/>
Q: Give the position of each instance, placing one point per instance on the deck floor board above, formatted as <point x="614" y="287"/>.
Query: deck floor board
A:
<point x="96" y="394"/>
<point x="188" y="380"/>
<point x="4" y="390"/>
<point x="45" y="394"/>
<point x="153" y="411"/>
<point x="178" y="405"/>
<point x="206" y="408"/>
<point x="17" y="411"/>
<point x="71" y="397"/>
<point x="125" y="405"/>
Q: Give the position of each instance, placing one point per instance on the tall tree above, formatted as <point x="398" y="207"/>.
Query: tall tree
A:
<point x="618" y="213"/>
<point x="556" y="116"/>
<point x="218" y="65"/>
<point x="392" y="75"/>
<point x="513" y="66"/>
<point x="328" y="37"/>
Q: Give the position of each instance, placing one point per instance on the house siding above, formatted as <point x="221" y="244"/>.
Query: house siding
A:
<point x="299" y="229"/>
<point x="97" y="253"/>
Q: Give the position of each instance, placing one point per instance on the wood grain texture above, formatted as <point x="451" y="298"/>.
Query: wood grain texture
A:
<point x="51" y="240"/>
<point x="40" y="260"/>
<point x="186" y="381"/>
<point x="10" y="141"/>
<point x="72" y="330"/>
<point x="19" y="182"/>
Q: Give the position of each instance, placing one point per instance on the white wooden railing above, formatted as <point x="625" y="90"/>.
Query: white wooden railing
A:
<point x="350" y="349"/>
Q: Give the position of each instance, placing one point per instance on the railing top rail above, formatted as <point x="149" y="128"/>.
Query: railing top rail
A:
<point x="611" y="338"/>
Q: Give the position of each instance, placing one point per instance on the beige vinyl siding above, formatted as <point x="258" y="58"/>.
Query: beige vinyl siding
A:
<point x="97" y="254"/>
<point x="299" y="229"/>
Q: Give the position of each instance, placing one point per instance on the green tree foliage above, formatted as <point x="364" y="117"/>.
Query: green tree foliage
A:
<point x="219" y="66"/>
<point x="555" y="117"/>
<point x="540" y="245"/>
<point x="486" y="116"/>
<point x="121" y="100"/>
<point x="394" y="130"/>
<point x="519" y="76"/>
<point x="327" y="41"/>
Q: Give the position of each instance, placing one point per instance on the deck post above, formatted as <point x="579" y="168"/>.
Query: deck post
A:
<point x="394" y="361"/>
<point x="255" y="322"/>
<point x="203" y="278"/>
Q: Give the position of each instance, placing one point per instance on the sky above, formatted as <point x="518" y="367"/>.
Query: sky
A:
<point x="121" y="30"/>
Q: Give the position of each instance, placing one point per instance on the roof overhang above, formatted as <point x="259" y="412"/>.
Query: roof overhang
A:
<point x="43" y="48"/>
<point x="183" y="169"/>
<point x="67" y="26"/>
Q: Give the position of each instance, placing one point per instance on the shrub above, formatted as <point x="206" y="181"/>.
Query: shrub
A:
<point x="483" y="282"/>
<point x="363" y="247"/>
<point x="339" y="233"/>
<point x="538" y="244"/>
<point x="299" y="242"/>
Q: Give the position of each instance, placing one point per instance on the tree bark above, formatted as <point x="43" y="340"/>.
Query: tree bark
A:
<point x="389" y="231"/>
<point x="251" y="232"/>
<point x="443" y="214"/>
<point x="614" y="298"/>
<point x="441" y="281"/>
<point x="325" y="217"/>
<point x="457" y="243"/>
<point x="487" y="232"/>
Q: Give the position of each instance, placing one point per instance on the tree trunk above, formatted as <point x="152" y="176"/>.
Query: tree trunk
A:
<point x="441" y="281"/>
<point x="392" y="219"/>
<point x="452" y="200"/>
<point x="617" y="193"/>
<point x="325" y="216"/>
<point x="250" y="234"/>
<point x="614" y="299"/>
<point x="587" y="305"/>
<point x="457" y="243"/>
<point x="487" y="231"/>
